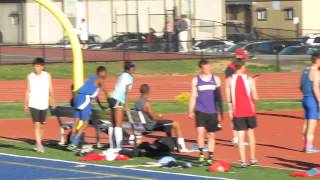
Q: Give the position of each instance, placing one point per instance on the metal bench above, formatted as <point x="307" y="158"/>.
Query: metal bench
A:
<point x="136" y="123"/>
<point x="100" y="120"/>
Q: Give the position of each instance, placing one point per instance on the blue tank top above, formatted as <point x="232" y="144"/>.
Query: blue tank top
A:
<point x="306" y="84"/>
<point x="206" y="102"/>
<point x="89" y="88"/>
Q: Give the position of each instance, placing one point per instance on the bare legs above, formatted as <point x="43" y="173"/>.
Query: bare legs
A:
<point x="252" y="143"/>
<point x="177" y="130"/>
<point x="38" y="132"/>
<point x="118" y="114"/>
<point x="211" y="141"/>
<point x="201" y="141"/>
<point x="200" y="136"/>
<point x="309" y="128"/>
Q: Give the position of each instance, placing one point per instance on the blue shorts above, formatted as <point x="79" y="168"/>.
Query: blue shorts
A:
<point x="83" y="107"/>
<point x="311" y="109"/>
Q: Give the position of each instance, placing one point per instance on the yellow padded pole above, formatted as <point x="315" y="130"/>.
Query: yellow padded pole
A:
<point x="74" y="40"/>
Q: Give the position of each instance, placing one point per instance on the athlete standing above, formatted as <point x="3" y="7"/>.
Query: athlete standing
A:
<point x="311" y="97"/>
<point x="206" y="106"/>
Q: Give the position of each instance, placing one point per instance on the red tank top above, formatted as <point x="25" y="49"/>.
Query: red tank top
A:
<point x="242" y="100"/>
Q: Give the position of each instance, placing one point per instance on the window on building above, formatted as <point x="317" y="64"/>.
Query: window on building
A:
<point x="233" y="12"/>
<point x="317" y="40"/>
<point x="289" y="13"/>
<point x="262" y="14"/>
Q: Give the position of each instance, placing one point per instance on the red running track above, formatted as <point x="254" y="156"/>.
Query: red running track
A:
<point x="270" y="86"/>
<point x="279" y="138"/>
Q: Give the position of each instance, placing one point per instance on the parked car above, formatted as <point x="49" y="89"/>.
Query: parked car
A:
<point x="136" y="45"/>
<point x="311" y="40"/>
<point x="115" y="40"/>
<point x="239" y="37"/>
<point x="263" y="47"/>
<point x="203" y="45"/>
<point x="93" y="40"/>
<point x="300" y="50"/>
<point x="218" y="49"/>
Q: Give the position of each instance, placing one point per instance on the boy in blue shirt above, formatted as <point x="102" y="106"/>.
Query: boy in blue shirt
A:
<point x="83" y="104"/>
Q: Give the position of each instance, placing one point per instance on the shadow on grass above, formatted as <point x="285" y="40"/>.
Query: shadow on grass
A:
<point x="47" y="143"/>
<point x="293" y="164"/>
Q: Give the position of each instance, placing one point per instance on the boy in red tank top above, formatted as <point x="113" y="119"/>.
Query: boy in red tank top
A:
<point x="241" y="95"/>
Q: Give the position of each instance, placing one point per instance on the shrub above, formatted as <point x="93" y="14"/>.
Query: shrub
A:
<point x="183" y="98"/>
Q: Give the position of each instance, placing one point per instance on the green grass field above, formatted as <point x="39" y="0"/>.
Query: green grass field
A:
<point x="54" y="152"/>
<point x="183" y="67"/>
<point x="15" y="110"/>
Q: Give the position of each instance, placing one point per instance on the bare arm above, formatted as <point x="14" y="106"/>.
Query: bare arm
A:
<point x="127" y="101"/>
<point x="192" y="102"/>
<point x="26" y="99"/>
<point x="105" y="90"/>
<point x="315" y="86"/>
<point x="218" y="97"/>
<point x="51" y="93"/>
<point x="228" y="96"/>
<point x="148" y="109"/>
<point x="254" y="89"/>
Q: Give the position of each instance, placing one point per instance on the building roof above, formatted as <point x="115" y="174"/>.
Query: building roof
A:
<point x="238" y="2"/>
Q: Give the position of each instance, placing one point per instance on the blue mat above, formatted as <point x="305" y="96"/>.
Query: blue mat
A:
<point x="16" y="167"/>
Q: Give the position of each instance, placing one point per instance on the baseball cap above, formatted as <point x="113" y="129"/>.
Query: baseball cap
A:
<point x="241" y="53"/>
<point x="220" y="166"/>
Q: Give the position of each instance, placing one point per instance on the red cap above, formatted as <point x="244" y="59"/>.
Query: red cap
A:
<point x="220" y="166"/>
<point x="242" y="53"/>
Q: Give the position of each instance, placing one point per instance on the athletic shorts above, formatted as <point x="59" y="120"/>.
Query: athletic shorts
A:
<point x="38" y="115"/>
<point x="84" y="114"/>
<point x="83" y="107"/>
<point x="209" y="121"/>
<point x="163" y="125"/>
<point x="311" y="109"/>
<point x="113" y="103"/>
<point x="244" y="123"/>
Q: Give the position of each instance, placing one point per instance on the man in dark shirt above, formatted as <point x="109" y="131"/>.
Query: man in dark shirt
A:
<point x="155" y="122"/>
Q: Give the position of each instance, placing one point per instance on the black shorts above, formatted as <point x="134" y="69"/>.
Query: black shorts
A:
<point x="113" y="103"/>
<point x="38" y="115"/>
<point x="209" y="121"/>
<point x="163" y="125"/>
<point x="244" y="123"/>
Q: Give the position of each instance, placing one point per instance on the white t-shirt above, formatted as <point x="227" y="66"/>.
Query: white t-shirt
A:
<point x="39" y="86"/>
<point x="124" y="80"/>
<point x="83" y="31"/>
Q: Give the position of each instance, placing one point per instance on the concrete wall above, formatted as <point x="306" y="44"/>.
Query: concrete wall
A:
<point x="310" y="17"/>
<point x="104" y="18"/>
<point x="276" y="18"/>
<point x="8" y="28"/>
<point x="40" y="25"/>
<point x="212" y="10"/>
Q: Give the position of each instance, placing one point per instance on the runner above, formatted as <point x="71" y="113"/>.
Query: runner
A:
<point x="311" y="98"/>
<point x="156" y="122"/>
<point x="241" y="95"/>
<point x="118" y="104"/>
<point x="38" y="94"/>
<point x="83" y="104"/>
<point x="230" y="70"/>
<point x="205" y="103"/>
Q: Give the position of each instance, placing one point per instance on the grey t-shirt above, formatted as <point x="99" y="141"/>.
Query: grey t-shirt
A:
<point x="139" y="105"/>
<point x="182" y="25"/>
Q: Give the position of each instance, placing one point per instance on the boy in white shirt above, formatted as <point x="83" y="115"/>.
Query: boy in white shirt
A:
<point x="38" y="94"/>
